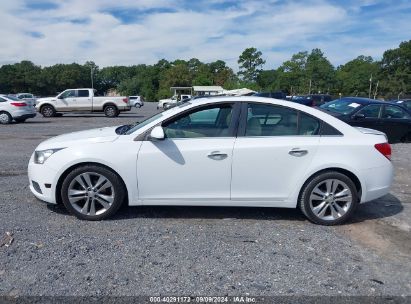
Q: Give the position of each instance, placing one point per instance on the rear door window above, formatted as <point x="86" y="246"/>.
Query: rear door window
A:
<point x="394" y="112"/>
<point x="83" y="93"/>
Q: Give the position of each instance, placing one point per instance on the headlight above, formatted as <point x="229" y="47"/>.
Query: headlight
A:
<point x="41" y="156"/>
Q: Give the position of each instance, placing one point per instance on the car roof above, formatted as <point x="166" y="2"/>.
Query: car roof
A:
<point x="363" y="100"/>
<point x="190" y="104"/>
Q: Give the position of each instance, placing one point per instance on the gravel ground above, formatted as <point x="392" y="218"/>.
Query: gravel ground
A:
<point x="193" y="250"/>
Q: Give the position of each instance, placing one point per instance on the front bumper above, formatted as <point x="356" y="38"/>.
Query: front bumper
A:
<point x="41" y="179"/>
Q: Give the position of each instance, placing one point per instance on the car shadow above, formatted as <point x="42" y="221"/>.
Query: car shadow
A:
<point x="32" y="122"/>
<point x="197" y="212"/>
<point x="384" y="207"/>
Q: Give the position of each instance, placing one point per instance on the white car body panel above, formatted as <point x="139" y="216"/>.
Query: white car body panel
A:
<point x="258" y="171"/>
<point x="208" y="178"/>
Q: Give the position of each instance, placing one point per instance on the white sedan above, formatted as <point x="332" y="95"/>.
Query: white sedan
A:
<point x="226" y="151"/>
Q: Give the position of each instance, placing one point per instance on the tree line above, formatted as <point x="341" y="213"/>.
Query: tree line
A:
<point x="304" y="73"/>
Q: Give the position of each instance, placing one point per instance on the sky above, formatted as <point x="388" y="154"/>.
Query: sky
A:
<point x="127" y="32"/>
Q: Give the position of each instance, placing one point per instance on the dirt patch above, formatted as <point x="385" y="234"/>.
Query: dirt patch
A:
<point x="388" y="240"/>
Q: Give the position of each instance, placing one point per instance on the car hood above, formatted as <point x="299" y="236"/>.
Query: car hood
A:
<point x="82" y="137"/>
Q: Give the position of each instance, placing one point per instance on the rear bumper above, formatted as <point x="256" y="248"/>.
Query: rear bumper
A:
<point x="24" y="114"/>
<point x="377" y="182"/>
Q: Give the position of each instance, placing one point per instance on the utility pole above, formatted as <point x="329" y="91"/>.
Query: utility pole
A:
<point x="309" y="91"/>
<point x="91" y="75"/>
<point x="369" y="91"/>
<point x="376" y="89"/>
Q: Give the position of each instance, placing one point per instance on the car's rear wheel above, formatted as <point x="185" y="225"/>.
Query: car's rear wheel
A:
<point x="48" y="111"/>
<point x="111" y="111"/>
<point x="92" y="192"/>
<point x="329" y="198"/>
<point x="5" y="118"/>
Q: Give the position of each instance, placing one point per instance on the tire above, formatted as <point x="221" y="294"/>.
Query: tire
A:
<point x="89" y="186"/>
<point x="20" y="120"/>
<point x="48" y="111"/>
<point x="328" y="198"/>
<point x="406" y="138"/>
<point x="5" y="118"/>
<point x="111" y="111"/>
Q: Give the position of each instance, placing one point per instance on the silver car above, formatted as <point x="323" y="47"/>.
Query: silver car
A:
<point x="28" y="97"/>
<point x="136" y="101"/>
<point x="12" y="108"/>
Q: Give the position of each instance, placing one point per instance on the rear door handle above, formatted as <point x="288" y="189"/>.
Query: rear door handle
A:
<point x="297" y="152"/>
<point x="217" y="155"/>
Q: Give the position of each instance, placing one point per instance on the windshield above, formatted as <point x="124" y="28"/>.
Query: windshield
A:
<point x="341" y="106"/>
<point x="13" y="98"/>
<point x="137" y="126"/>
<point x="128" y="129"/>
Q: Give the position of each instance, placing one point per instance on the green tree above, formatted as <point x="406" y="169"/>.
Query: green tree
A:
<point x="320" y="72"/>
<point x="222" y="74"/>
<point x="396" y="71"/>
<point x="353" y="78"/>
<point x="250" y="62"/>
<point x="292" y="74"/>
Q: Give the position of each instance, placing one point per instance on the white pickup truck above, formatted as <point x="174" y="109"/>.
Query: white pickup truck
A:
<point x="165" y="103"/>
<point x="82" y="100"/>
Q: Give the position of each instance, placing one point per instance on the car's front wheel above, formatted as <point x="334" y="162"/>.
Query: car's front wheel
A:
<point x="92" y="192"/>
<point x="329" y="198"/>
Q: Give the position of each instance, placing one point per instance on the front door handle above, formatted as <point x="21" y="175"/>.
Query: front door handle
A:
<point x="297" y="152"/>
<point x="217" y="155"/>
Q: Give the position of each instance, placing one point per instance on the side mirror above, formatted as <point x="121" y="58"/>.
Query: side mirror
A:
<point x="358" y="116"/>
<point x="157" y="133"/>
<point x="59" y="97"/>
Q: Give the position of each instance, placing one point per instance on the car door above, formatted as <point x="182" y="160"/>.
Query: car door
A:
<point x="367" y="117"/>
<point x="83" y="100"/>
<point x="67" y="101"/>
<point x="274" y="148"/>
<point x="395" y="122"/>
<point x="193" y="163"/>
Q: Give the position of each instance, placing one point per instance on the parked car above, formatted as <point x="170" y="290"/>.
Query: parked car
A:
<point x="28" y="97"/>
<point x="406" y="103"/>
<point x="82" y="101"/>
<point x="228" y="151"/>
<point x="164" y="103"/>
<point x="392" y="119"/>
<point x="276" y="95"/>
<point x="136" y="101"/>
<point x="311" y="100"/>
<point x="12" y="108"/>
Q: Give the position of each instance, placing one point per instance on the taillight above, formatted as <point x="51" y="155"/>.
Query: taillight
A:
<point x="19" y="104"/>
<point x="384" y="149"/>
<point x="125" y="100"/>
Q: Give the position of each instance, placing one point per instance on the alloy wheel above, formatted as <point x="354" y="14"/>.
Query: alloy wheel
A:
<point x="330" y="199"/>
<point x="91" y="193"/>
